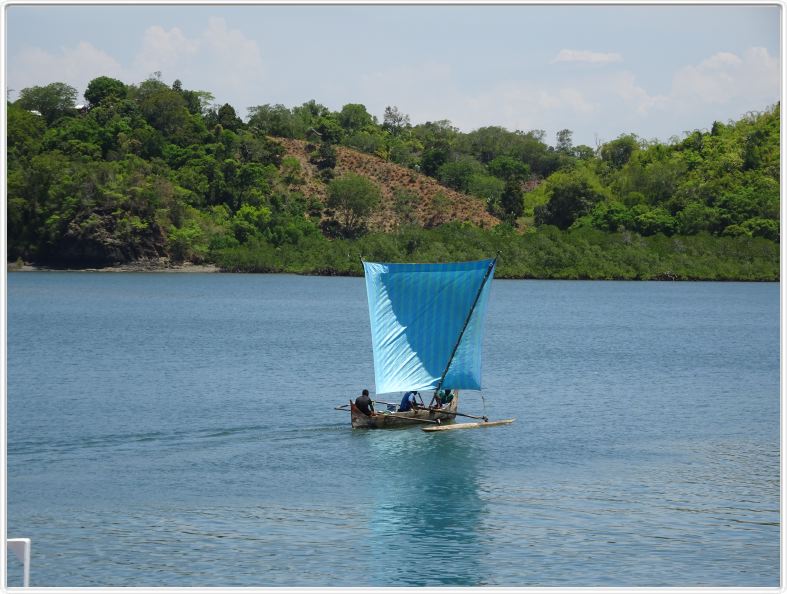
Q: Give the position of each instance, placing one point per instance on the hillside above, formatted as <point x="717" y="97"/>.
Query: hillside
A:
<point x="391" y="177"/>
<point x="154" y="173"/>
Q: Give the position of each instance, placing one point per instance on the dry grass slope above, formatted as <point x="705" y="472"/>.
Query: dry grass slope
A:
<point x="390" y="178"/>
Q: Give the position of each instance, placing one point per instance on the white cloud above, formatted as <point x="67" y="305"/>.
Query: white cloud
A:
<point x="727" y="78"/>
<point x="569" y="55"/>
<point x="429" y="92"/>
<point x="218" y="59"/>
<point x="623" y="87"/>
<point x="608" y="102"/>
<point x="163" y="51"/>
<point x="230" y="59"/>
<point x="76" y="66"/>
<point x="424" y="89"/>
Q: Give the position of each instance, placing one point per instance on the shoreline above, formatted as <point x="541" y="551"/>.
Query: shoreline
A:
<point x="163" y="266"/>
<point x="142" y="266"/>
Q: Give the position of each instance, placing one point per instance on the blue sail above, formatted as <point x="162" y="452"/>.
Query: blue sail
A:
<point x="417" y="312"/>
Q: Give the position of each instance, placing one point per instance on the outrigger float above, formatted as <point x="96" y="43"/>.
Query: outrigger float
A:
<point x="427" y="323"/>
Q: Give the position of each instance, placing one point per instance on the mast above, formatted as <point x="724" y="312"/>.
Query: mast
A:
<point x="467" y="321"/>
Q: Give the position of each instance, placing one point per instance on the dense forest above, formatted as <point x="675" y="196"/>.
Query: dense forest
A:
<point x="155" y="172"/>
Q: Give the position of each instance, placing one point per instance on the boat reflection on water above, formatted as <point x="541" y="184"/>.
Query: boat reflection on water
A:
<point x="427" y="512"/>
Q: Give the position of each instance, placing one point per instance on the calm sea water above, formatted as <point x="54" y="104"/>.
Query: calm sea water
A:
<point x="179" y="430"/>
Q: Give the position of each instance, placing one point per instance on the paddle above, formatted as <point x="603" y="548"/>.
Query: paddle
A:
<point x="346" y="406"/>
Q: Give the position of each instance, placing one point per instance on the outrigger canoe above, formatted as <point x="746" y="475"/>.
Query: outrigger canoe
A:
<point x="427" y="323"/>
<point x="388" y="419"/>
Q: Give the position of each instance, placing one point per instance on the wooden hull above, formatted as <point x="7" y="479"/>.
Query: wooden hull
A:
<point x="411" y="418"/>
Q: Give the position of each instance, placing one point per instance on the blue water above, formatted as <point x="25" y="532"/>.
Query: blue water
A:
<point x="179" y="430"/>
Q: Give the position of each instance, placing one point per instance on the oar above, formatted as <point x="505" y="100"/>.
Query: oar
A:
<point x="384" y="402"/>
<point x="346" y="406"/>
<point x="458" y="414"/>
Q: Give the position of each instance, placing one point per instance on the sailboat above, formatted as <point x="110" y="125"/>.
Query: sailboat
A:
<point x="427" y="323"/>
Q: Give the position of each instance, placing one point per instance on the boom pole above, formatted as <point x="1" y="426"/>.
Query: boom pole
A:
<point x="467" y="321"/>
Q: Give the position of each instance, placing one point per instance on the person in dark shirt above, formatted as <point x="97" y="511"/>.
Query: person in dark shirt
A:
<point x="441" y="398"/>
<point x="365" y="404"/>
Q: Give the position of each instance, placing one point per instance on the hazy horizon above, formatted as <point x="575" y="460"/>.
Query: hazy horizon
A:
<point x="600" y="71"/>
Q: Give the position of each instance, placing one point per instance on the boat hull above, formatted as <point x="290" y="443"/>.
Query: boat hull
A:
<point x="389" y="420"/>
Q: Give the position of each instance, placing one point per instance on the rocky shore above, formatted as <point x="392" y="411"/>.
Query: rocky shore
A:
<point x="153" y="265"/>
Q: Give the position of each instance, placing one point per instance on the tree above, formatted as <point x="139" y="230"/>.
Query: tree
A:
<point x="433" y="158"/>
<point x="697" y="217"/>
<point x="250" y="221"/>
<point x="228" y="118"/>
<point x="291" y="172"/>
<point x="571" y="194"/>
<point x="512" y="202"/>
<point x="537" y="134"/>
<point x="52" y="101"/>
<point x="488" y="187"/>
<point x="584" y="152"/>
<point x="162" y="107"/>
<point x="490" y="142"/>
<point x="329" y="129"/>
<point x="457" y="174"/>
<point x="508" y="168"/>
<point x="437" y="139"/>
<point x="354" y="197"/>
<point x="104" y="88"/>
<point x="197" y="102"/>
<point x="394" y="121"/>
<point x="276" y="120"/>
<point x="655" y="221"/>
<point x="611" y="217"/>
<point x="354" y="117"/>
<point x="405" y="205"/>
<point x="324" y="157"/>
<point x="618" y="152"/>
<point x="404" y="152"/>
<point x="564" y="141"/>
<point x="24" y="133"/>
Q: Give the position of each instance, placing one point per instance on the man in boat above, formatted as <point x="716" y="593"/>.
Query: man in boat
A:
<point x="365" y="404"/>
<point x="440" y="398"/>
<point x="408" y="401"/>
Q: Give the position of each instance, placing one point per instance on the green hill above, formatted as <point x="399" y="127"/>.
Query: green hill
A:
<point x="155" y="172"/>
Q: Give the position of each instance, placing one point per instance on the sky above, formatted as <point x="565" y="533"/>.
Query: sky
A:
<point x="598" y="70"/>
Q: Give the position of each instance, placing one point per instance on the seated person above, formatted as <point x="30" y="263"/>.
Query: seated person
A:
<point x="365" y="404"/>
<point x="408" y="402"/>
<point x="440" y="398"/>
<point x="435" y="402"/>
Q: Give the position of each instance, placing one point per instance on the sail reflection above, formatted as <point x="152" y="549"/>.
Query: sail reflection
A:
<point x="427" y="508"/>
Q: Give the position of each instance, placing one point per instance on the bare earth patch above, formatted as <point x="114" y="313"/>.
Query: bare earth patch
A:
<point x="391" y="177"/>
